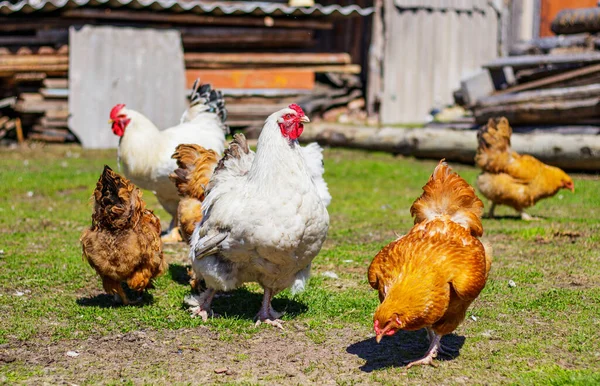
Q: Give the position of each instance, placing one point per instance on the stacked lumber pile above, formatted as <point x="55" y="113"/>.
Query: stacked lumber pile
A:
<point x="547" y="81"/>
<point x="257" y="84"/>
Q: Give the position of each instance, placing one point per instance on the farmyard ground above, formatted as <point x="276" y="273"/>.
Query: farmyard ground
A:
<point x="544" y="330"/>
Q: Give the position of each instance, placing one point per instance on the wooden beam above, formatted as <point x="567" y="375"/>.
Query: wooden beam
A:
<point x="267" y="58"/>
<point x="570" y="152"/>
<point x="529" y="61"/>
<point x="170" y="18"/>
<point x="259" y="78"/>
<point x="290" y="39"/>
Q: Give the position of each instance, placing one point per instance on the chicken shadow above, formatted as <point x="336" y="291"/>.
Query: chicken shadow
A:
<point x="244" y="304"/>
<point x="179" y="274"/>
<point x="108" y="301"/>
<point x="400" y="349"/>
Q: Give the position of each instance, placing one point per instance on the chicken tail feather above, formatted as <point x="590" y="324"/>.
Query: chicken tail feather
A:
<point x="117" y="200"/>
<point x="195" y="166"/>
<point x="447" y="194"/>
<point x="204" y="98"/>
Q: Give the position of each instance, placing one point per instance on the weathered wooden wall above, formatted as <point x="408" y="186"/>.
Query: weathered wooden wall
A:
<point x="429" y="46"/>
<point x="142" y="68"/>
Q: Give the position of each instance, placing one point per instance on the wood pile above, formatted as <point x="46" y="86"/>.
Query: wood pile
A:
<point x="38" y="81"/>
<point x="547" y="81"/>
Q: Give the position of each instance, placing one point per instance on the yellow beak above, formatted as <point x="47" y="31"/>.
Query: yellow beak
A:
<point x="110" y="121"/>
<point x="378" y="338"/>
<point x="304" y="119"/>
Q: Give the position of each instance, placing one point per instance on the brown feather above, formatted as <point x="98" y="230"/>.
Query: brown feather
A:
<point x="195" y="168"/>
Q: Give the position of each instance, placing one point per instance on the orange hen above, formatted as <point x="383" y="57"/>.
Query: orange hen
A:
<point x="429" y="277"/>
<point x="511" y="179"/>
<point x="195" y="166"/>
<point x="123" y="244"/>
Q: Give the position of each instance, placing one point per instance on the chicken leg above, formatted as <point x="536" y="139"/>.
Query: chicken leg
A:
<point x="200" y="305"/>
<point x="432" y="351"/>
<point x="490" y="214"/>
<point x="267" y="314"/>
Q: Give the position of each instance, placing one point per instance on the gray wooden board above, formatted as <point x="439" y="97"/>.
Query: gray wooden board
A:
<point x="143" y="68"/>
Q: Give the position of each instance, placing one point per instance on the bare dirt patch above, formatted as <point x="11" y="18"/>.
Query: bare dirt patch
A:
<point x="202" y="356"/>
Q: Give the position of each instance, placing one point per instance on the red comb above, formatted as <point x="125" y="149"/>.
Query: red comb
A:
<point x="114" y="113"/>
<point x="297" y="109"/>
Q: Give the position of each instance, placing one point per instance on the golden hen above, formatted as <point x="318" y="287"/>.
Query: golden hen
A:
<point x="508" y="178"/>
<point x="123" y="244"/>
<point x="429" y="277"/>
<point x="195" y="166"/>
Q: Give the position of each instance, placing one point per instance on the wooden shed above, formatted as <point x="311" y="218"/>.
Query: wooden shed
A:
<point x="62" y="60"/>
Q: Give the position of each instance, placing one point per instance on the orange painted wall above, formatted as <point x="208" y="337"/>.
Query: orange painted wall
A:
<point x="550" y="8"/>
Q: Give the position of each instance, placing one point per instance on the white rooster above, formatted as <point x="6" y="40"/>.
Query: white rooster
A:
<point x="145" y="151"/>
<point x="265" y="216"/>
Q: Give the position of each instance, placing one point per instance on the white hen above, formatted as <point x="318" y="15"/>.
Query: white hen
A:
<point x="145" y="151"/>
<point x="265" y="216"/>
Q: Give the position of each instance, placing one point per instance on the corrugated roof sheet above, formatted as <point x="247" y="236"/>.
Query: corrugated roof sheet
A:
<point x="230" y="8"/>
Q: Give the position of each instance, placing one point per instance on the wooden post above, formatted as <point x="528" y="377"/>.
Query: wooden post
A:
<point x="375" y="60"/>
<point x="19" y="128"/>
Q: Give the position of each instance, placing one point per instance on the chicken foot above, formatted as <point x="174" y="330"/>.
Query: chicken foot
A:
<point x="267" y="314"/>
<point x="527" y="217"/>
<point x="172" y="234"/>
<point x="432" y="351"/>
<point x="200" y="305"/>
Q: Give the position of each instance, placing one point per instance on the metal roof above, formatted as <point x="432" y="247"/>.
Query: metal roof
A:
<point x="216" y="8"/>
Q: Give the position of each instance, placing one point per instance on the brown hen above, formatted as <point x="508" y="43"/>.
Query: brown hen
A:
<point x="429" y="277"/>
<point x="511" y="179"/>
<point x="123" y="244"/>
<point x="195" y="166"/>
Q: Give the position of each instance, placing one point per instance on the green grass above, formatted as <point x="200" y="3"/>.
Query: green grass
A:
<point x="542" y="331"/>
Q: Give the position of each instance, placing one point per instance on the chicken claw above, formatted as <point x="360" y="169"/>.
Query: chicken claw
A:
<point x="204" y="314"/>
<point x="272" y="322"/>
<point x="200" y="304"/>
<point x="528" y="217"/>
<point x="426" y="360"/>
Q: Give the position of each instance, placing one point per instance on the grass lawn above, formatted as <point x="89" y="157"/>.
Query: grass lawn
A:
<point x="543" y="330"/>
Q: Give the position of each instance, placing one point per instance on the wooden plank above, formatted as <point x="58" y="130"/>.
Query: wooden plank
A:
<point x="161" y="17"/>
<point x="153" y="84"/>
<point x="553" y="94"/>
<point x="548" y="112"/>
<point x="55" y="93"/>
<point x="33" y="60"/>
<point x="544" y="82"/>
<point x="289" y="59"/>
<point x="529" y="61"/>
<point x="56" y="83"/>
<point x="243" y="78"/>
<point x="290" y="39"/>
<point x="40" y="106"/>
